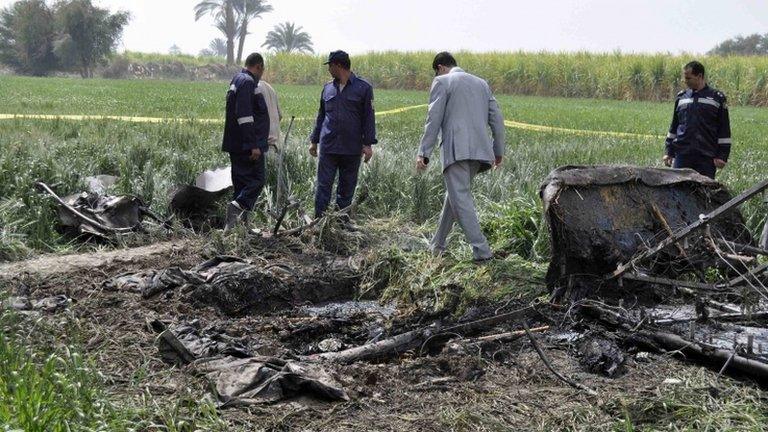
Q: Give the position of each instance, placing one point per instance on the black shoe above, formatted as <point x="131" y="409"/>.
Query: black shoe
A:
<point x="234" y="215"/>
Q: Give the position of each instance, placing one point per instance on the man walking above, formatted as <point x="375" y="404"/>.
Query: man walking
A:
<point x="461" y="107"/>
<point x="345" y="130"/>
<point x="700" y="134"/>
<point x="246" y="129"/>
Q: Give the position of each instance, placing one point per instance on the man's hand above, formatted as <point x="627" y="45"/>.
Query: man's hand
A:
<point x="668" y="160"/>
<point x="421" y="163"/>
<point x="367" y="153"/>
<point x="313" y="149"/>
<point x="719" y="163"/>
<point x="255" y="154"/>
<point x="498" y="161"/>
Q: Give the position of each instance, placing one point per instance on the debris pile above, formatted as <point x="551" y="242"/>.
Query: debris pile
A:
<point x="622" y="234"/>
<point x="601" y="217"/>
<point x="238" y="377"/>
<point x="92" y="213"/>
<point x="237" y="287"/>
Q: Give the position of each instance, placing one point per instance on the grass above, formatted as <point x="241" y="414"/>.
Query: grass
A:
<point x="42" y="391"/>
<point x="48" y="385"/>
<point x="152" y="158"/>
<point x="453" y="283"/>
<point x="638" y="402"/>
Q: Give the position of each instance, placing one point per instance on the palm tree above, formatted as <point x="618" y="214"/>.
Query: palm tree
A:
<point x="218" y="47"/>
<point x="286" y="37"/>
<point x="247" y="11"/>
<point x="223" y="13"/>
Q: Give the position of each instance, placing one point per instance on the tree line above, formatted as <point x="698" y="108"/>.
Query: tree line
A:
<point x="754" y="44"/>
<point x="72" y="35"/>
<point x="233" y="19"/>
<point x="76" y="36"/>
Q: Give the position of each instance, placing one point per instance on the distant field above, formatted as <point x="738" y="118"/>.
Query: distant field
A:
<point x="151" y="158"/>
<point x="620" y="76"/>
<point x="654" y="77"/>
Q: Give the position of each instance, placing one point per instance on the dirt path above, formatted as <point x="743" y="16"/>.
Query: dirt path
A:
<point x="50" y="265"/>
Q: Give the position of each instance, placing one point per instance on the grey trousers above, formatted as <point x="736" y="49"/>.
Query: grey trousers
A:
<point x="459" y="205"/>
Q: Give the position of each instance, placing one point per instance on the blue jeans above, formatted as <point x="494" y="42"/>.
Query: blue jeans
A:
<point x="248" y="178"/>
<point x="704" y="165"/>
<point x="347" y="166"/>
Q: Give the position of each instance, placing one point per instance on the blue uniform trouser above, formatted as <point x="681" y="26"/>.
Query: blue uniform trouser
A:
<point x="704" y="165"/>
<point x="347" y="166"/>
<point x="248" y="178"/>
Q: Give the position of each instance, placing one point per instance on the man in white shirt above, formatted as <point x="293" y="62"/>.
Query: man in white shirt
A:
<point x="273" y="107"/>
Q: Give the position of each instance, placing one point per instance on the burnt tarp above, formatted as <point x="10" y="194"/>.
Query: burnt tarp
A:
<point x="197" y="202"/>
<point x="254" y="380"/>
<point x="600" y="216"/>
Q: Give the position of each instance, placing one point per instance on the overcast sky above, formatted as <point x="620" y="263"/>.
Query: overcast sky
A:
<point x="358" y="26"/>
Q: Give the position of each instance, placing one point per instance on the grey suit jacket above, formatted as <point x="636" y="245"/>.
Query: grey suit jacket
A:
<point x="461" y="108"/>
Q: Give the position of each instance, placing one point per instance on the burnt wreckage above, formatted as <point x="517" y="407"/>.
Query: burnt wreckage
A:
<point x="664" y="256"/>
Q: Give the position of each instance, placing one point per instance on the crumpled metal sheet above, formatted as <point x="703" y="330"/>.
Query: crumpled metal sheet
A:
<point x="600" y="216"/>
<point x="725" y="335"/>
<point x="118" y="212"/>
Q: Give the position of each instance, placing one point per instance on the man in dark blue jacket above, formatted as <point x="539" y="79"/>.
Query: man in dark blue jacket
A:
<point x="246" y="129"/>
<point x="345" y="130"/>
<point x="700" y="134"/>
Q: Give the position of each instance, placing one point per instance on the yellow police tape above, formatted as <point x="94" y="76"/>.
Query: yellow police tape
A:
<point x="540" y="128"/>
<point x="156" y="119"/>
<point x="100" y="117"/>
<point x="507" y="123"/>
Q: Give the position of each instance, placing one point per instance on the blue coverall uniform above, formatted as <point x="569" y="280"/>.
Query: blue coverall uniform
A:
<point x="246" y="127"/>
<point x="700" y="130"/>
<point x="345" y="123"/>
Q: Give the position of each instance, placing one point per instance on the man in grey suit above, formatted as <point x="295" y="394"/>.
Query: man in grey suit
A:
<point x="461" y="107"/>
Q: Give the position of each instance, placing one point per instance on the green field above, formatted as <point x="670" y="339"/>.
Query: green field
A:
<point x="52" y="383"/>
<point x="152" y="158"/>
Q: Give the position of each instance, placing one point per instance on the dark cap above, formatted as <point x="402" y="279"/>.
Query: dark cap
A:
<point x="338" y="57"/>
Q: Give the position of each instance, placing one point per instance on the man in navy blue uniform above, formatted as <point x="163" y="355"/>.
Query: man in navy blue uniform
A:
<point x="246" y="129"/>
<point x="345" y="130"/>
<point x="700" y="134"/>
